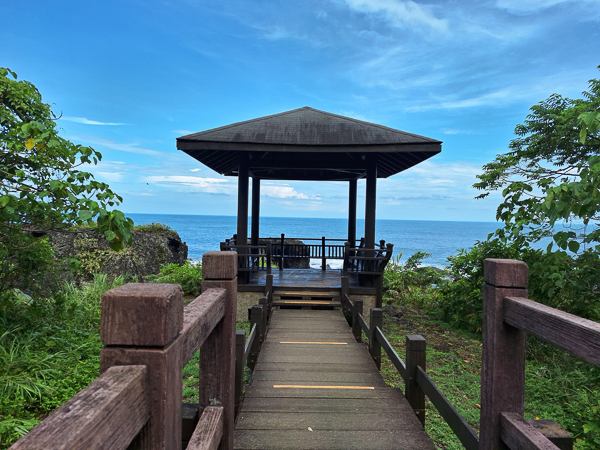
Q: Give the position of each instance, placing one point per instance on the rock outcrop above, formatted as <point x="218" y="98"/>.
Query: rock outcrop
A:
<point x="150" y="249"/>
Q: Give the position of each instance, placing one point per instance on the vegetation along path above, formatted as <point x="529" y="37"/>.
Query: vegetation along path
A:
<point x="315" y="387"/>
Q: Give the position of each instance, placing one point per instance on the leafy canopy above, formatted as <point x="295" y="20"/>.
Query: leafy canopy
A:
<point x="551" y="174"/>
<point x="41" y="185"/>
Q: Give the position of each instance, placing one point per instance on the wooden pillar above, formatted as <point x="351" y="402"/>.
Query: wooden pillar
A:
<point x="255" y="229"/>
<point x="242" y="212"/>
<point x="370" y="205"/>
<point x="503" y="357"/>
<point x="356" y="328"/>
<point x="139" y="326"/>
<point x="352" y="191"/>
<point x="217" y="354"/>
<point x="416" y="348"/>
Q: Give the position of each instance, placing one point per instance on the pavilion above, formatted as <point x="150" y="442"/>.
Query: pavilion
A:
<point x="310" y="145"/>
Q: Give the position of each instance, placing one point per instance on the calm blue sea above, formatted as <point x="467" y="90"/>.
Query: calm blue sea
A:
<point x="441" y="239"/>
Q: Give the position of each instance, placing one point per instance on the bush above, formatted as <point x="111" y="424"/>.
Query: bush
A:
<point x="411" y="283"/>
<point x="188" y="276"/>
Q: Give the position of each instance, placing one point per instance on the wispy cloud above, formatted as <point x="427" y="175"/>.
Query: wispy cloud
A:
<point x="129" y="148"/>
<point x="528" y="6"/>
<point x="192" y="184"/>
<point x="88" y="121"/>
<point x="404" y="14"/>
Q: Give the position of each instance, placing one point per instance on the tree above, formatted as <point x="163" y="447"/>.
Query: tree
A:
<point x="41" y="185"/>
<point x="551" y="174"/>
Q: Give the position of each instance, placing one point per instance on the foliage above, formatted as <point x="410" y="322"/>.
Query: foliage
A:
<point x="49" y="350"/>
<point x="42" y="187"/>
<point x="153" y="227"/>
<point x="549" y="175"/>
<point x="189" y="276"/>
<point x="412" y="280"/>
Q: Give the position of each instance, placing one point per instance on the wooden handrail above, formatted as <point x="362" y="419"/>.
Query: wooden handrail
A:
<point x="207" y="435"/>
<point x="108" y="414"/>
<point x="391" y="353"/>
<point x="577" y="335"/>
<point x="455" y="421"/>
<point x="200" y="318"/>
<point x="519" y="434"/>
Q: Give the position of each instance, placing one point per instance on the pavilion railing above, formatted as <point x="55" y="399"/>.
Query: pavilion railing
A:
<point x="356" y="258"/>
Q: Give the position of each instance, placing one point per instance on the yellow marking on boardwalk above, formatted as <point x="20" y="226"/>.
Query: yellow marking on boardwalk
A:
<point x="307" y="302"/>
<point x="306" y="386"/>
<point x="316" y="343"/>
<point x="307" y="293"/>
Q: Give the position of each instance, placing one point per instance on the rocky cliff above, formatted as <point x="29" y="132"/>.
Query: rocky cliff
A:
<point x="150" y="249"/>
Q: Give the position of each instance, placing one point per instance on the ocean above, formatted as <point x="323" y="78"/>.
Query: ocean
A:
<point x="441" y="239"/>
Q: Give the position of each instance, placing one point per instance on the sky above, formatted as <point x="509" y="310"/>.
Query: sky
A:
<point x="129" y="77"/>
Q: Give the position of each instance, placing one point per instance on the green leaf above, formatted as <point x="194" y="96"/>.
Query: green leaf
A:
<point x="110" y="235"/>
<point x="574" y="246"/>
<point x="87" y="215"/>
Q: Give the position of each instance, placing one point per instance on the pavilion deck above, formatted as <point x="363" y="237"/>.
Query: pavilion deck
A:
<point x="309" y="279"/>
<point x="315" y="387"/>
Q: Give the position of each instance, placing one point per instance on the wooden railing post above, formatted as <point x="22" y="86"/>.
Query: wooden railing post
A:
<point x="240" y="341"/>
<point x="503" y="357"/>
<point x="139" y="326"/>
<point x="217" y="354"/>
<point x="323" y="255"/>
<point x="376" y="320"/>
<point x="282" y="246"/>
<point x="269" y="291"/>
<point x="416" y="355"/>
<point x="264" y="321"/>
<point x="356" y="328"/>
<point x="255" y="319"/>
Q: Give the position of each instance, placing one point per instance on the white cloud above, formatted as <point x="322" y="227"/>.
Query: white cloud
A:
<point x="110" y="177"/>
<point x="401" y="13"/>
<point x="195" y="170"/>
<point x="282" y="192"/>
<point x="95" y="140"/>
<point x="88" y="121"/>
<point x="192" y="184"/>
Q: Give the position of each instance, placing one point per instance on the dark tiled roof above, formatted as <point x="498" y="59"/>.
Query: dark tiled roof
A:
<point x="283" y="146"/>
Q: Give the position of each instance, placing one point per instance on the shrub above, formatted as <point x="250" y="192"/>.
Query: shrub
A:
<point x="188" y="276"/>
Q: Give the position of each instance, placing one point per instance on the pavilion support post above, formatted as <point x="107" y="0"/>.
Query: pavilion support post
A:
<point x="370" y="205"/>
<point x="242" y="213"/>
<point x="352" y="191"/>
<point x="255" y="231"/>
<point x="370" y="213"/>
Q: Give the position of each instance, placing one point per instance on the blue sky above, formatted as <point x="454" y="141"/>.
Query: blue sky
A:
<point x="129" y="77"/>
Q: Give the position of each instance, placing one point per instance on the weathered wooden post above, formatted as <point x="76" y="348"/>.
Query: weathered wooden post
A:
<point x="264" y="302"/>
<point x="217" y="354"/>
<point x="139" y="326"/>
<point x="356" y="328"/>
<point x="256" y="313"/>
<point x="323" y="255"/>
<point x="240" y="341"/>
<point x="416" y="355"/>
<point x="376" y="320"/>
<point x="503" y="358"/>
<point x="282" y="246"/>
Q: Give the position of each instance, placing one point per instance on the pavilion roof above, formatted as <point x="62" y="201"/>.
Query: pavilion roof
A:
<point x="308" y="144"/>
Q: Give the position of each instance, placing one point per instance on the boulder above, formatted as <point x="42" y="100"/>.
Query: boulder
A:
<point x="149" y="251"/>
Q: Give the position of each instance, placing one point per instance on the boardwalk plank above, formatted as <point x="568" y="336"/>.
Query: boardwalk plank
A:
<point x="329" y="439"/>
<point x="312" y="414"/>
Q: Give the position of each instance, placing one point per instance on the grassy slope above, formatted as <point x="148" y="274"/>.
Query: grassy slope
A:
<point x="558" y="386"/>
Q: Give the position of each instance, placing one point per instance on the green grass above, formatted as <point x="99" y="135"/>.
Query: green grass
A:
<point x="559" y="386"/>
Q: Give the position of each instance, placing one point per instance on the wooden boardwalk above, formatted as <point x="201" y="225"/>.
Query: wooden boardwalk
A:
<point x="315" y="387"/>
